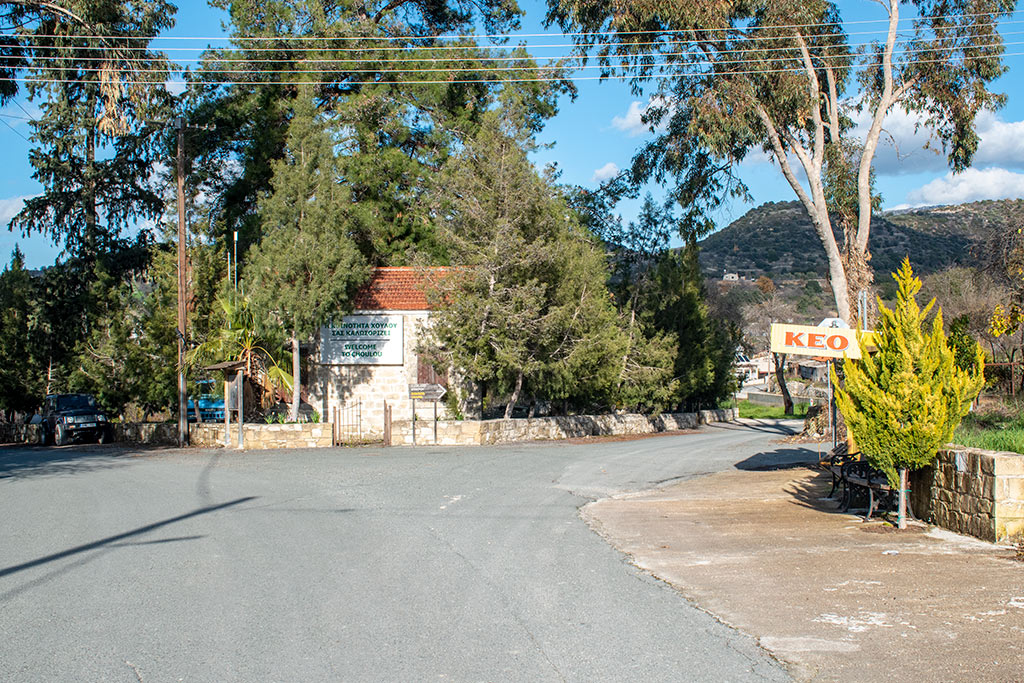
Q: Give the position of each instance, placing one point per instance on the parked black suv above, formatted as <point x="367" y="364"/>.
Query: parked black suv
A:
<point x="71" y="417"/>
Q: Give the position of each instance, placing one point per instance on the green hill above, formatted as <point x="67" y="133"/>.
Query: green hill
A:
<point x="778" y="239"/>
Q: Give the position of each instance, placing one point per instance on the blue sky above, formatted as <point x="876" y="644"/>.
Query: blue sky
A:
<point x="598" y="133"/>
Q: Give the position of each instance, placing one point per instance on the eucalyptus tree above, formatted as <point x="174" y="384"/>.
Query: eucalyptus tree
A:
<point x="783" y="78"/>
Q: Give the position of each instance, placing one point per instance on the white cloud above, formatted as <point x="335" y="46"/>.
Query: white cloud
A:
<point x="9" y="207"/>
<point x="633" y="122"/>
<point x="970" y="186"/>
<point x="606" y="172"/>
<point x="1002" y="142"/>
<point x="904" y="146"/>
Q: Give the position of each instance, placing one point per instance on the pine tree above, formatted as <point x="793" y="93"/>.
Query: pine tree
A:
<point x="527" y="313"/>
<point x="306" y="267"/>
<point x="903" y="402"/>
<point x="19" y="386"/>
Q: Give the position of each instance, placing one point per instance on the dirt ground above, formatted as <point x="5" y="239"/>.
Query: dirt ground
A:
<point x="832" y="596"/>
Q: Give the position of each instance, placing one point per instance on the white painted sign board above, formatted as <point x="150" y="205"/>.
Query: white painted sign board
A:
<point x="363" y="340"/>
<point x="829" y="342"/>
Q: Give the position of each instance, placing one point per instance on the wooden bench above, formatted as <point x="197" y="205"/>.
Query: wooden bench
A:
<point x="852" y="474"/>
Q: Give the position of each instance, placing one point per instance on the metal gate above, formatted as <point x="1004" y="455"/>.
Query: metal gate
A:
<point x="347" y="423"/>
<point x="353" y="423"/>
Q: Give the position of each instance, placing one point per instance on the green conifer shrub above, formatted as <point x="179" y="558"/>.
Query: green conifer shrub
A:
<point x="902" y="402"/>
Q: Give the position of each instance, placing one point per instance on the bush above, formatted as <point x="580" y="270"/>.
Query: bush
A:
<point x="903" y="402"/>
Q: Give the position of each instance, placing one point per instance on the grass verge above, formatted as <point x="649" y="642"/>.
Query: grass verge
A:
<point x="757" y="411"/>
<point x="991" y="432"/>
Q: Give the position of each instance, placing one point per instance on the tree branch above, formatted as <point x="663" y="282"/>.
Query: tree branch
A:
<point x="812" y="83"/>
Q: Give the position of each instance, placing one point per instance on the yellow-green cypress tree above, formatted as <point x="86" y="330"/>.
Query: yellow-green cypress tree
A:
<point x="902" y="402"/>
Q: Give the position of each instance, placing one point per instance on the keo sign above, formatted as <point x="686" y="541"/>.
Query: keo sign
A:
<point x="804" y="340"/>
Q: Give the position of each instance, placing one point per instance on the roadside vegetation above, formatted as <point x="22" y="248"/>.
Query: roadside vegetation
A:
<point x="994" y="430"/>
<point x="758" y="411"/>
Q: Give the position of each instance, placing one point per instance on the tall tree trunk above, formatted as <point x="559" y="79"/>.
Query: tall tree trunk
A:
<point x="296" y="378"/>
<point x="515" y="395"/>
<point x="780" y="377"/>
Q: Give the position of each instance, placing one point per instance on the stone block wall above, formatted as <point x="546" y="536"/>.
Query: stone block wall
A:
<point x="264" y="436"/>
<point x="491" y="432"/>
<point x="974" y="492"/>
<point x="19" y="432"/>
<point x="155" y="433"/>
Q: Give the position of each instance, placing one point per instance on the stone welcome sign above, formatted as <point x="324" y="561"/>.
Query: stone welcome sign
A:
<point x="363" y="340"/>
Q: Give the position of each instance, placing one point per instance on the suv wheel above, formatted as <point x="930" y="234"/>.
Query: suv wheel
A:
<point x="59" y="436"/>
<point x="106" y="435"/>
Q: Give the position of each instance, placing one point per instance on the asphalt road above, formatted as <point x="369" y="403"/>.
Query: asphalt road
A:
<point x="426" y="564"/>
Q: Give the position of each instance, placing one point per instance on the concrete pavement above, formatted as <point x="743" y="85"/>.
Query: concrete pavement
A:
<point x="833" y="597"/>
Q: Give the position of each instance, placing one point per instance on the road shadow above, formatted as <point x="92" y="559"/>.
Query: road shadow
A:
<point x="114" y="541"/>
<point x="25" y="461"/>
<point x="780" y="427"/>
<point x="779" y="459"/>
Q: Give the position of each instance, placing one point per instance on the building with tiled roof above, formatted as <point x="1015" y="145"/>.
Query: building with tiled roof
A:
<point x="395" y="289"/>
<point x="368" y="359"/>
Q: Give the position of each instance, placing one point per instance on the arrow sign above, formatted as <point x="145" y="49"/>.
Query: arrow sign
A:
<point x="427" y="392"/>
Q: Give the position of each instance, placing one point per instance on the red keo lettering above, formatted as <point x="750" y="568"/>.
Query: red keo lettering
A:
<point x="838" y="342"/>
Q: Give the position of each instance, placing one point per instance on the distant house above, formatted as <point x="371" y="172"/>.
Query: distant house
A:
<point x="731" y="277"/>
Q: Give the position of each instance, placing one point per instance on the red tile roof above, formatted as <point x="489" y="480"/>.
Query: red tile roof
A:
<point x="396" y="289"/>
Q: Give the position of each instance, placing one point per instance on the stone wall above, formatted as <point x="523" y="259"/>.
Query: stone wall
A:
<point x="264" y="436"/>
<point x="491" y="432"/>
<point x="974" y="492"/>
<point x="153" y="433"/>
<point x="18" y="432"/>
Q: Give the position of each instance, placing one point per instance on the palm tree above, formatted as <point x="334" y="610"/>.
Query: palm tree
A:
<point x="240" y="339"/>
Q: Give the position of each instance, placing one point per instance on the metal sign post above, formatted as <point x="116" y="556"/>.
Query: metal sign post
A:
<point x="239" y="382"/>
<point x="425" y="392"/>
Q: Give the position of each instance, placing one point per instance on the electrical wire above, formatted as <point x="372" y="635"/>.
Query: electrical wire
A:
<point x="504" y="58"/>
<point x="706" y="63"/>
<point x="492" y="81"/>
<point x="509" y="36"/>
<point x="15" y="130"/>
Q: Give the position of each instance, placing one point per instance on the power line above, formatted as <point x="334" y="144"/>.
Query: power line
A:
<point x="493" y="81"/>
<point x="511" y="58"/>
<point x="16" y="131"/>
<point x="706" y="63"/>
<point x="580" y="34"/>
<point x="385" y="48"/>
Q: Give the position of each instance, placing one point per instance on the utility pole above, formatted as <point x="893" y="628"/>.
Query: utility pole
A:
<point x="179" y="123"/>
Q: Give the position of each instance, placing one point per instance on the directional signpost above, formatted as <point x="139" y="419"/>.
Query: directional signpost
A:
<point x="425" y="392"/>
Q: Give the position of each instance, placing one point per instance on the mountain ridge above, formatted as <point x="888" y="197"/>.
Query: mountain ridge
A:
<point x="778" y="239"/>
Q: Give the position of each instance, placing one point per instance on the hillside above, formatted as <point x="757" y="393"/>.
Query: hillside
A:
<point x="778" y="239"/>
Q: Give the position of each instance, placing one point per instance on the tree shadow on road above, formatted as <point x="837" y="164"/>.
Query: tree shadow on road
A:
<point x="105" y="544"/>
<point x="18" y="462"/>
<point x="779" y="459"/>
